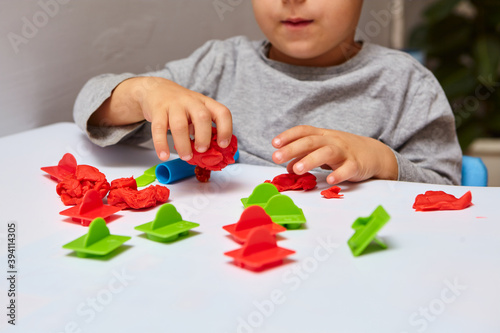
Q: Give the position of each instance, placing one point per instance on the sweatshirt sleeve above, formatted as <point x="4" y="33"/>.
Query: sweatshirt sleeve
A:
<point x="199" y="72"/>
<point x="427" y="148"/>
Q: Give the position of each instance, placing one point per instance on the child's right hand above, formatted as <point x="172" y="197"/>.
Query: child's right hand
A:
<point x="168" y="105"/>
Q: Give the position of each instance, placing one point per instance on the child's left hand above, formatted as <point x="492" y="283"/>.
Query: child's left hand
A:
<point x="351" y="157"/>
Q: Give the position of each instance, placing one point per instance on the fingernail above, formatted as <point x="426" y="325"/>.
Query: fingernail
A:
<point x="201" y="149"/>
<point x="299" y="167"/>
<point x="224" y="143"/>
<point x="163" y="156"/>
<point x="331" y="179"/>
<point x="277" y="142"/>
<point x="278" y="155"/>
<point x="186" y="157"/>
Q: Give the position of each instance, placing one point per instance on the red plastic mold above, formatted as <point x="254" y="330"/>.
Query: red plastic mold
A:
<point x="90" y="208"/>
<point x="65" y="168"/>
<point x="251" y="218"/>
<point x="260" y="251"/>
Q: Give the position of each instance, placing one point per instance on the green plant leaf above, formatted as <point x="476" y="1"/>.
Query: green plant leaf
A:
<point x="468" y="132"/>
<point x="495" y="124"/>
<point x="440" y="9"/>
<point x="487" y="57"/>
<point x="493" y="19"/>
<point x="447" y="66"/>
<point x="460" y="83"/>
<point x="418" y="37"/>
<point x="494" y="114"/>
<point x="451" y="35"/>
<point x="489" y="11"/>
<point x="464" y="52"/>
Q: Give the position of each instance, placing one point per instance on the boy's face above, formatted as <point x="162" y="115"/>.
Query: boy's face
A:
<point x="309" y="32"/>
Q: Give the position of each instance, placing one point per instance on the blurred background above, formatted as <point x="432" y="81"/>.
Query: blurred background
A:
<point x="50" y="48"/>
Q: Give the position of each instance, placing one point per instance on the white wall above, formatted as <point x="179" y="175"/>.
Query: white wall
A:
<point x="50" y="48"/>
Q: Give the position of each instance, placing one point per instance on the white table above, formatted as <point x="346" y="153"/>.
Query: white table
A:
<point x="441" y="272"/>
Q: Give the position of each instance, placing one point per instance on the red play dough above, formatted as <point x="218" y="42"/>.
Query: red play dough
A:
<point x="332" y="192"/>
<point x="124" y="194"/>
<point x="203" y="175"/>
<point x="439" y="200"/>
<point x="291" y="181"/>
<point x="215" y="158"/>
<point x="85" y="178"/>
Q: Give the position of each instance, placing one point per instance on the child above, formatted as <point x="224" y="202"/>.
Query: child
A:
<point x="310" y="91"/>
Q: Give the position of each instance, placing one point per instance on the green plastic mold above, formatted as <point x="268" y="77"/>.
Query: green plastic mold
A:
<point x="97" y="242"/>
<point x="366" y="229"/>
<point x="283" y="211"/>
<point x="260" y="195"/>
<point x="147" y="178"/>
<point x="167" y="225"/>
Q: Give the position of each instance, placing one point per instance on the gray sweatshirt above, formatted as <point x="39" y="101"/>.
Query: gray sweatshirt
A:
<point x="380" y="93"/>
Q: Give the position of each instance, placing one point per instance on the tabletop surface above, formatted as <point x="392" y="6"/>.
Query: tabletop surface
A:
<point x="440" y="273"/>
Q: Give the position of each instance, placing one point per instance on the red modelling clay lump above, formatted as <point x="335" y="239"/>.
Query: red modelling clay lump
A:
<point x="124" y="194"/>
<point x="86" y="177"/>
<point x="291" y="181"/>
<point x="214" y="159"/>
<point x="439" y="200"/>
<point x="332" y="192"/>
<point x="203" y="175"/>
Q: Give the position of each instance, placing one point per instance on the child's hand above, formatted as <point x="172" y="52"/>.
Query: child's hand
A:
<point x="167" y="105"/>
<point x="351" y="157"/>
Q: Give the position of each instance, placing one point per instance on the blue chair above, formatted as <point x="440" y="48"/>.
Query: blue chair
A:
<point x="474" y="172"/>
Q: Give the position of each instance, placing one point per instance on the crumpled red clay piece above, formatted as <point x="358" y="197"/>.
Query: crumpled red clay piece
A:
<point x="86" y="178"/>
<point x="124" y="182"/>
<point x="215" y="158"/>
<point x="124" y="194"/>
<point x="203" y="175"/>
<point x="439" y="200"/>
<point x="291" y="181"/>
<point x="332" y="192"/>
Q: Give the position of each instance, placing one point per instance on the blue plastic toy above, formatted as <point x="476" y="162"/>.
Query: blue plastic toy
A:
<point x="474" y="172"/>
<point x="177" y="169"/>
<point x="174" y="170"/>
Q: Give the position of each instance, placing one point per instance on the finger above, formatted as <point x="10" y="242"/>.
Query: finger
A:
<point x="300" y="147"/>
<point x="159" y="125"/>
<point x="201" y="119"/>
<point x="179" y="128"/>
<point x="293" y="134"/>
<point x="324" y="155"/>
<point x="223" y="120"/>
<point x="346" y="171"/>
<point x="290" y="165"/>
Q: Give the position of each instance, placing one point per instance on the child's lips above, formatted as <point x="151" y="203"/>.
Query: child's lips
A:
<point x="297" y="23"/>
